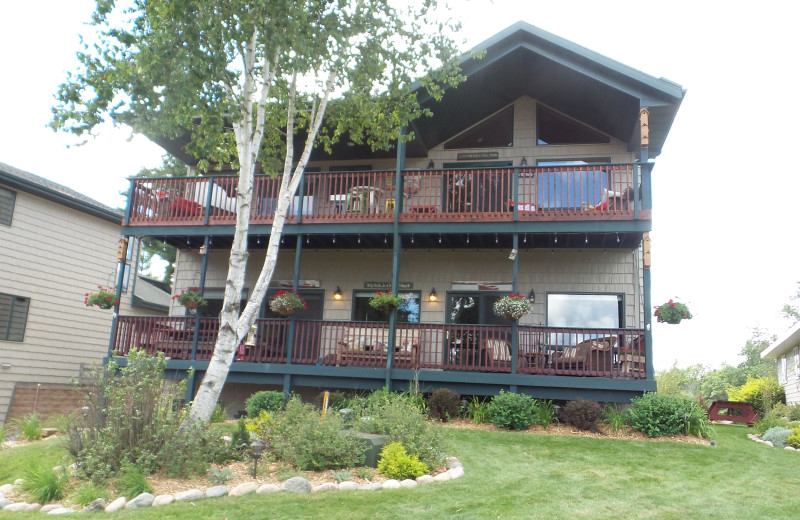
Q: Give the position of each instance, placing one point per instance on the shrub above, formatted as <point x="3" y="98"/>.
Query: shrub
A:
<point x="131" y="481"/>
<point x="762" y="392"/>
<point x="545" y="413"/>
<point x="267" y="400"/>
<point x="791" y="412"/>
<point x="88" y="493"/>
<point x="342" y="475"/>
<point x="615" y="418"/>
<point x="657" y="415"/>
<point x="220" y="414"/>
<point x="302" y="437"/>
<point x="512" y="411"/>
<point x="777" y="436"/>
<point x="582" y="414"/>
<point x="30" y="426"/>
<point x="395" y="463"/>
<point x="45" y="484"/>
<point x="443" y="404"/>
<point x="477" y="410"/>
<point x="695" y="419"/>
<point x="770" y="421"/>
<point x="793" y="439"/>
<point x="240" y="440"/>
<point x="220" y="476"/>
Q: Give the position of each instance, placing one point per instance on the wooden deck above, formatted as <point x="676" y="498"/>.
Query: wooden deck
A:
<point x="589" y="192"/>
<point x="608" y="353"/>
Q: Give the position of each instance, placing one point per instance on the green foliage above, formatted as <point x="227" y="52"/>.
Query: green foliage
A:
<point x="395" y="463"/>
<point x="267" y="400"/>
<point x="791" y="412"/>
<point x="4" y="428"/>
<point x="793" y="439"/>
<point x="365" y="473"/>
<point x="769" y="421"/>
<point x="777" y="435"/>
<point x="131" y="481"/>
<point x="763" y="393"/>
<point x="695" y="419"/>
<point x="286" y="472"/>
<point x="240" y="440"/>
<point x="30" y="426"/>
<point x="220" y="414"/>
<point x="88" y="493"/>
<point x="658" y="415"/>
<point x="544" y="413"/>
<point x="512" y="411"/>
<point x="615" y="418"/>
<point x="134" y="416"/>
<point x="582" y="414"/>
<point x="443" y="404"/>
<point x="342" y="475"/>
<point x="302" y="437"/>
<point x="220" y="476"/>
<point x="45" y="484"/>
<point x="476" y="409"/>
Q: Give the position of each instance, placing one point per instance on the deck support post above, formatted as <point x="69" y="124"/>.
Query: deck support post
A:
<point x="514" y="324"/>
<point x="397" y="246"/>
<point x="290" y="333"/>
<point x="647" y="203"/>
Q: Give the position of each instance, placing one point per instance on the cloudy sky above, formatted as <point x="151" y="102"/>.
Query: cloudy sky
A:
<point x="724" y="238"/>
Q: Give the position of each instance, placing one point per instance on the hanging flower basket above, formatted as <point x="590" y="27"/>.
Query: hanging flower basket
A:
<point x="287" y="303"/>
<point x="104" y="297"/>
<point x="191" y="298"/>
<point x="512" y="307"/>
<point x="385" y="301"/>
<point x="672" y="312"/>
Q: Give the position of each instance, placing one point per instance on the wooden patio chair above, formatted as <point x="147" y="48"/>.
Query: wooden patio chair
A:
<point x="592" y="354"/>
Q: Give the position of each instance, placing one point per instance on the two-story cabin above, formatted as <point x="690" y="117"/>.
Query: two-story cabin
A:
<point x="531" y="177"/>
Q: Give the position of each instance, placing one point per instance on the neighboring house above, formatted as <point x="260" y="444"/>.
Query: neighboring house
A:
<point x="787" y="351"/>
<point x="533" y="176"/>
<point x="55" y="245"/>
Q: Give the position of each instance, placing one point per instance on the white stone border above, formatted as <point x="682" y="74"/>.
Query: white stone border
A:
<point x="758" y="438"/>
<point x="293" y="485"/>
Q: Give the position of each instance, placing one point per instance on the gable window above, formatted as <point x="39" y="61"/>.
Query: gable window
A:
<point x="13" y="317"/>
<point x="494" y="132"/>
<point x="7" y="201"/>
<point x="408" y="312"/>
<point x="555" y="128"/>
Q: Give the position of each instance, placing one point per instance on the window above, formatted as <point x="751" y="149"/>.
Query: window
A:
<point x="7" y="200"/>
<point x="555" y="128"/>
<point x="13" y="317"/>
<point x="586" y="311"/>
<point x="495" y="132"/>
<point x="408" y="312"/>
<point x="473" y="308"/>
<point x="214" y="297"/>
<point x="313" y="299"/>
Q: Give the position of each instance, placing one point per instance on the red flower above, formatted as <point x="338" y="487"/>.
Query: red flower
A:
<point x="672" y="303"/>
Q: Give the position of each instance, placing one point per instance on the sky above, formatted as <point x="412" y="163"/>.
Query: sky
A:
<point x="724" y="236"/>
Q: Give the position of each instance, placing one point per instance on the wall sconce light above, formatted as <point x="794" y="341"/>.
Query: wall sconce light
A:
<point x="203" y="249"/>
<point x="337" y="295"/>
<point x="432" y="296"/>
<point x="523" y="162"/>
<point x="532" y="296"/>
<point x="431" y="165"/>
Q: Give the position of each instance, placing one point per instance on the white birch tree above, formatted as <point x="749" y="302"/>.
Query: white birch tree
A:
<point x="240" y="77"/>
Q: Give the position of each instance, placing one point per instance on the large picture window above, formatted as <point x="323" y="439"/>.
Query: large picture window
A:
<point x="473" y="308"/>
<point x="13" y="317"/>
<point x="408" y="312"/>
<point x="586" y="311"/>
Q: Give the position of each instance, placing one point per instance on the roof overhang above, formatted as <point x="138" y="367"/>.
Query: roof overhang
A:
<point x="783" y="345"/>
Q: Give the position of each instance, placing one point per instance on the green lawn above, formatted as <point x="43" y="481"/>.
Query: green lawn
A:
<point x="519" y="475"/>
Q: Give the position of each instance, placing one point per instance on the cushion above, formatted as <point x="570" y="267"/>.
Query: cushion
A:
<point x="569" y="352"/>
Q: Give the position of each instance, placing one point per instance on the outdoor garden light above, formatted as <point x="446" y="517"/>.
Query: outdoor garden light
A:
<point x="338" y="294"/>
<point x="257" y="448"/>
<point x="432" y="296"/>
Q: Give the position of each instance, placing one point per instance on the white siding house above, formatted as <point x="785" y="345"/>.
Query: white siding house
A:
<point x="787" y="351"/>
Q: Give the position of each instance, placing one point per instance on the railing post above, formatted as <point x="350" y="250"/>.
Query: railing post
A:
<point x="515" y="196"/>
<point x="207" y="203"/>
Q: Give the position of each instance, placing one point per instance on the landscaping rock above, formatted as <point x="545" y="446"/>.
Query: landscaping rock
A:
<point x="769" y="443"/>
<point x="49" y="507"/>
<point x="442" y="477"/>
<point x="348" y="486"/>
<point x="297" y="485"/>
<point x="4" y="502"/>
<point x="61" y="511"/>
<point x="116" y="505"/>
<point x="267" y="489"/>
<point x="789" y="448"/>
<point x="33" y="507"/>
<point x="6" y="488"/>
<point x="19" y="482"/>
<point x="143" y="500"/>
<point x="455" y="472"/>
<point x="327" y="486"/>
<point x="372" y="486"/>
<point x="244" y="489"/>
<point x="391" y="484"/>
<point x="216" y="491"/>
<point x="425" y="479"/>
<point x="190" y="495"/>
<point x="407" y="483"/>
<point x="162" y="500"/>
<point x="17" y="506"/>
<point x="453" y="462"/>
<point x="96" y="505"/>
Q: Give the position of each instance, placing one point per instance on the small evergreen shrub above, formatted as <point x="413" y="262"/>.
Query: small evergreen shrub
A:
<point x="302" y="437"/>
<point x="267" y="400"/>
<point x="762" y="392"/>
<point x="443" y="404"/>
<point x="777" y="436"/>
<point x="395" y="463"/>
<point x="512" y="411"/>
<point x="240" y="440"/>
<point x="582" y="414"/>
<point x="45" y="484"/>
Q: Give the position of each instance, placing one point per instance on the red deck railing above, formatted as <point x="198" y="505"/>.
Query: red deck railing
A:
<point x="587" y="192"/>
<point x="617" y="353"/>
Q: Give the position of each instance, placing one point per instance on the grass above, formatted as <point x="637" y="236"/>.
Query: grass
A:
<point x="513" y="475"/>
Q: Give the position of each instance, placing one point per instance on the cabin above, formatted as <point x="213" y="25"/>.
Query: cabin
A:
<point x="786" y="350"/>
<point x="532" y="177"/>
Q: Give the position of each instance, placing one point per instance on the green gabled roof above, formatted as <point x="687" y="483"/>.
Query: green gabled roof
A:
<point x="52" y="191"/>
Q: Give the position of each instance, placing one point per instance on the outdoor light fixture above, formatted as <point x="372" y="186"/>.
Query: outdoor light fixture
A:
<point x="257" y="448"/>
<point x="203" y="249"/>
<point x="431" y="165"/>
<point x="251" y="337"/>
<point x="523" y="162"/>
<point x="532" y="296"/>
<point x="432" y="296"/>
<point x="337" y="295"/>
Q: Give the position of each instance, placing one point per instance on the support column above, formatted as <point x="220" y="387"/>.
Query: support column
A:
<point x="644" y="118"/>
<point x="397" y="247"/>
<point x="515" y="323"/>
<point x="291" y="331"/>
<point x="122" y="252"/>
